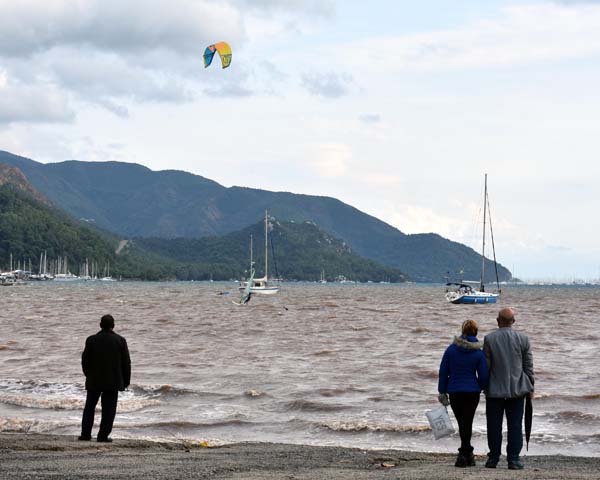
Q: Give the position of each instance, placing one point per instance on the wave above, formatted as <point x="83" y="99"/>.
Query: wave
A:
<point x="233" y="422"/>
<point x="125" y="405"/>
<point x="562" y="396"/>
<point x="420" y="330"/>
<point x="334" y="392"/>
<point x="361" y="426"/>
<point x="9" y="345"/>
<point x="71" y="396"/>
<point x="324" y="352"/>
<point x="308" y="406"/>
<point x="573" y="415"/>
<point x="159" y="389"/>
<point x="20" y="425"/>
<point x="422" y="373"/>
<point x="254" y="394"/>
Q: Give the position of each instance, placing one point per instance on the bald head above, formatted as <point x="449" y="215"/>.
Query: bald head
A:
<point x="506" y="317"/>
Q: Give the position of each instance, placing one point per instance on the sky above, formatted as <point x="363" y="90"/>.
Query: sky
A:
<point x="396" y="107"/>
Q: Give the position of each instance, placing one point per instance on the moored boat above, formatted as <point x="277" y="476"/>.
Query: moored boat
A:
<point x="464" y="293"/>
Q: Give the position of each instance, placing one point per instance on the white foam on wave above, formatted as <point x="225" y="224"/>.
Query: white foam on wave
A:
<point x="125" y="405"/>
<point x="71" y="396"/>
<point x="22" y="425"/>
<point x="361" y="426"/>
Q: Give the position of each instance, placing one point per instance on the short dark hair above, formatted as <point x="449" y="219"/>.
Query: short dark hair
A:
<point x="107" y="321"/>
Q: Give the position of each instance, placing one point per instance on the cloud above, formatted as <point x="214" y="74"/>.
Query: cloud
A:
<point x="228" y="90"/>
<point x="579" y="2"/>
<point x="20" y="103"/>
<point x="370" y="118"/>
<point x="332" y="159"/>
<point x="30" y="26"/>
<point x="516" y="36"/>
<point x="327" y="85"/>
<point x="112" y="54"/>
<point x="322" y="8"/>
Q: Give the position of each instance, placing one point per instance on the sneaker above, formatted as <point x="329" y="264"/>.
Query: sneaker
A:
<point x="104" y="440"/>
<point x="461" y="461"/>
<point x="85" y="438"/>
<point x="515" y="465"/>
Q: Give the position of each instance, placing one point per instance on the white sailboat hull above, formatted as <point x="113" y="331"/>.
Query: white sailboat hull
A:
<point x="471" y="297"/>
<point x="259" y="289"/>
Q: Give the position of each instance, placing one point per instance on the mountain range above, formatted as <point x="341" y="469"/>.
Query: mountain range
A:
<point x="134" y="201"/>
<point x="30" y="225"/>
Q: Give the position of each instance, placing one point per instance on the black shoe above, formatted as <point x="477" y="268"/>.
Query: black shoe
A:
<point x="104" y="440"/>
<point x="515" y="465"/>
<point x="470" y="460"/>
<point x="461" y="461"/>
<point x="85" y="438"/>
<point x="491" y="463"/>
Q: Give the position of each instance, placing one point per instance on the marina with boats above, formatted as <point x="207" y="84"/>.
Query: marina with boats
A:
<point x="21" y="272"/>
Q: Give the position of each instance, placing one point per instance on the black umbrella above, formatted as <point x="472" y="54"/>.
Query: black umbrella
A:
<point x="528" y="417"/>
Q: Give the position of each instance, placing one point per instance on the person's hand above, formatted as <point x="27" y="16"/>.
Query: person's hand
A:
<point x="443" y="399"/>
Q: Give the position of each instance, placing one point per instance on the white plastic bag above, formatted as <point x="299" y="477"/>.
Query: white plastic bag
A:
<point x="440" y="422"/>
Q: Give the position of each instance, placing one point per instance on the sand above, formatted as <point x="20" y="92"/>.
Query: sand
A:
<point x="34" y="456"/>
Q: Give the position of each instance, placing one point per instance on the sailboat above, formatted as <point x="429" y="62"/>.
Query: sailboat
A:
<point x="322" y="280"/>
<point x="261" y="285"/>
<point x="107" y="277"/>
<point x="463" y="292"/>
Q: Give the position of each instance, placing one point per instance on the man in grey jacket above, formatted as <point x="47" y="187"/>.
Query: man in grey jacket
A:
<point x="510" y="361"/>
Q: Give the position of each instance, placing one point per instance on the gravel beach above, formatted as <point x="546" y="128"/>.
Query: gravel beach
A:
<point x="34" y="456"/>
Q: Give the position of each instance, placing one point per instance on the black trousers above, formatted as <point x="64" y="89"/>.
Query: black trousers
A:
<point x="109" y="410"/>
<point x="464" y="405"/>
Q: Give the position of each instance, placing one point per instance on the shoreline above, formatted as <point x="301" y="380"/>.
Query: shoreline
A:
<point x="40" y="456"/>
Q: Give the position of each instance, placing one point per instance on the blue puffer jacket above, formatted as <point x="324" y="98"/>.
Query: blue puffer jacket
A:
<point x="463" y="367"/>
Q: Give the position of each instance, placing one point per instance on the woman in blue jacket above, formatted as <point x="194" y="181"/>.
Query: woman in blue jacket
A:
<point x="463" y="375"/>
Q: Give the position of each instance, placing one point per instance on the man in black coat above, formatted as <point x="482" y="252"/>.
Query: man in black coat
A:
<point x="107" y="369"/>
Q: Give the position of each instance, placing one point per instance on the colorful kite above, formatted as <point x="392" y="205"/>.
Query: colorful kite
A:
<point x="224" y="52"/>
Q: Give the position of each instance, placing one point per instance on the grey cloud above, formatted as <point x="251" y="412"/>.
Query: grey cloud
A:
<point x="111" y="53"/>
<point x="370" y="118"/>
<point x="34" y="105"/>
<point x="97" y="75"/>
<point x="134" y="25"/>
<point x="328" y="85"/>
<point x="323" y="8"/>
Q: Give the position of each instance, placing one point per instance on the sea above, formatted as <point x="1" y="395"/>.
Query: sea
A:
<point x="352" y="365"/>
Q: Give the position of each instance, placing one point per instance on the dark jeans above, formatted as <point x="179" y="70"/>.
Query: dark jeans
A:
<point x="464" y="405"/>
<point x="494" y="411"/>
<point x="109" y="409"/>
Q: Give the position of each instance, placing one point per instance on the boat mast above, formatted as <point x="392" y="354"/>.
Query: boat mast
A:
<point x="483" y="242"/>
<point x="251" y="248"/>
<point x="266" y="247"/>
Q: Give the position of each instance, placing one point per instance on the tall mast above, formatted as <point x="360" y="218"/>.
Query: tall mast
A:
<point x="251" y="262"/>
<point x="483" y="243"/>
<point x="266" y="248"/>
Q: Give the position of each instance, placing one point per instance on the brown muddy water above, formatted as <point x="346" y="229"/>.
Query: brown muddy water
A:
<point x="348" y="365"/>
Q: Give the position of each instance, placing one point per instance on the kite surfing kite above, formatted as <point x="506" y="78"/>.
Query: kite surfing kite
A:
<point x="224" y="51"/>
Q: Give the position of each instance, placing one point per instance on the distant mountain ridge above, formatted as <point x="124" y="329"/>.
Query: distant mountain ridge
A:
<point x="135" y="201"/>
<point x="29" y="227"/>
<point x="297" y="251"/>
